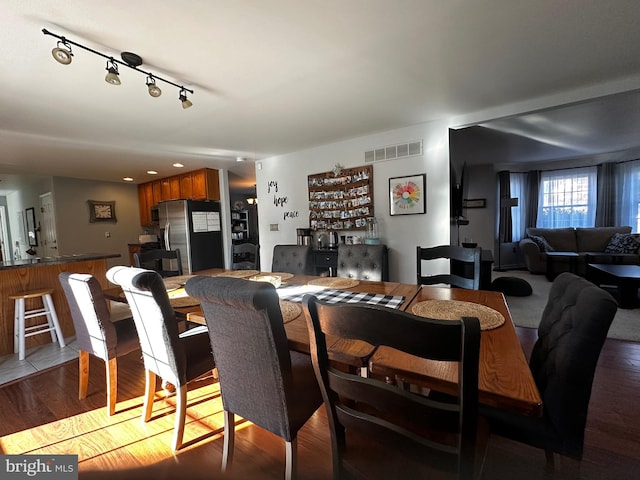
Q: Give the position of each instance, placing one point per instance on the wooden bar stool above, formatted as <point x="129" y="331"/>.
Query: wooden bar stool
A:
<point x="21" y="315"/>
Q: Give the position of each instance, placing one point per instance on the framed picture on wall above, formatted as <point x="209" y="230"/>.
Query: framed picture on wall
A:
<point x="102" y="211"/>
<point x="407" y="195"/>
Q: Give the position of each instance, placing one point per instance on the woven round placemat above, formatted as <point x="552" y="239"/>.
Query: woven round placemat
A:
<point x="334" y="282"/>
<point x="455" y="309"/>
<point x="290" y="310"/>
<point x="282" y="275"/>
<point x="238" y="273"/>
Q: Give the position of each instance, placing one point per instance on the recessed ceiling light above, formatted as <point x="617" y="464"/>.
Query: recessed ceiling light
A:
<point x="239" y="159"/>
<point x="178" y="165"/>
<point x="152" y="172"/>
<point x="127" y="179"/>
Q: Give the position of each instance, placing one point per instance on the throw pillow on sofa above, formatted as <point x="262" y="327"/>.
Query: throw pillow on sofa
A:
<point x="542" y="243"/>
<point x="622" y="243"/>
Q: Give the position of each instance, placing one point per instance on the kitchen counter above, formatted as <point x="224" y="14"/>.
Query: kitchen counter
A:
<point x="28" y="274"/>
<point x="40" y="261"/>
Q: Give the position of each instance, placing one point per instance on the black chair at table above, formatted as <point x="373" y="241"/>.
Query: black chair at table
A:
<point x="245" y="256"/>
<point x="176" y="357"/>
<point x="96" y="334"/>
<point x="371" y="421"/>
<point x="453" y="253"/>
<point x="563" y="361"/>
<point x="294" y="259"/>
<point x="363" y="262"/>
<point x="260" y="379"/>
<point x="168" y="263"/>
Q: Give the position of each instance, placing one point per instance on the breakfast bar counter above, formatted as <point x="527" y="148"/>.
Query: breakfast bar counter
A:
<point x="21" y="275"/>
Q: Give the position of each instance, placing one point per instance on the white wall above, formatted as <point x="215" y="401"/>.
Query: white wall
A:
<point x="287" y="207"/>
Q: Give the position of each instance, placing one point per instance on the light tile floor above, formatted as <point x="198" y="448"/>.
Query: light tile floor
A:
<point x="36" y="359"/>
<point x="48" y="355"/>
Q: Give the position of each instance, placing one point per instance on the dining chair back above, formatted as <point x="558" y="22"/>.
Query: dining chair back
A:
<point x="260" y="379"/>
<point x="454" y="254"/>
<point x="571" y="334"/>
<point x="96" y="334"/>
<point x="176" y="357"/>
<point x="246" y="256"/>
<point x="363" y="262"/>
<point x="367" y="414"/>
<point x="294" y="259"/>
<point x="168" y="263"/>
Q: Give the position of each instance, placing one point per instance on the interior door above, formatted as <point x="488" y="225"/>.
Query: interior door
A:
<point x="48" y="226"/>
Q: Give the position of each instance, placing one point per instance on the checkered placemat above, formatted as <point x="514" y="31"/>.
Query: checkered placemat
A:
<point x="295" y="293"/>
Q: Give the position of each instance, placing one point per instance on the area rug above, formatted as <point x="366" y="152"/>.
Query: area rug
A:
<point x="527" y="311"/>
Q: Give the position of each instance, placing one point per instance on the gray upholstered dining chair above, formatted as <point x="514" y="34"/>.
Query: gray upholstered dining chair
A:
<point x="363" y="262"/>
<point x="260" y="379"/>
<point x="176" y="357"/>
<point x="168" y="263"/>
<point x="369" y="415"/>
<point x="96" y="334"/>
<point x="245" y="256"/>
<point x="453" y="253"/>
<point x="294" y="259"/>
<point x="563" y="361"/>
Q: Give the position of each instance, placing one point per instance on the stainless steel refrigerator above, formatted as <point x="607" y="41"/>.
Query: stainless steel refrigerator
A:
<point x="195" y="228"/>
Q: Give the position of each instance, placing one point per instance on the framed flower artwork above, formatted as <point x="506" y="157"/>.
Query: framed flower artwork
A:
<point x="407" y="195"/>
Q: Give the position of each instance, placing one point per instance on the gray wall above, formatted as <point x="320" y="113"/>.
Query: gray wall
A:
<point x="77" y="235"/>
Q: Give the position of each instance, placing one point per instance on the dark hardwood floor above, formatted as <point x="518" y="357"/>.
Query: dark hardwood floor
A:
<point x="42" y="415"/>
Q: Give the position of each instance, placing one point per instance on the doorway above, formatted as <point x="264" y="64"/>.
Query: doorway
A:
<point x="47" y="226"/>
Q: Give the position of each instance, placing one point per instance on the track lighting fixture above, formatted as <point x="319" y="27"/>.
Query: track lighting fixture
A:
<point x="154" y="90"/>
<point x="112" y="76"/>
<point x="186" y="103"/>
<point x="62" y="54"/>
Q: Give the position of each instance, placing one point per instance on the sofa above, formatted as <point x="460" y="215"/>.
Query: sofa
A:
<point x="602" y="244"/>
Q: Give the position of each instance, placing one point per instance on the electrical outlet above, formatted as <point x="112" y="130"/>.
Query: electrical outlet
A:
<point x="107" y="234"/>
<point x="273" y="227"/>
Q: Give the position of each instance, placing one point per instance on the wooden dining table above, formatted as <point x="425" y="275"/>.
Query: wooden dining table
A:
<point x="505" y="380"/>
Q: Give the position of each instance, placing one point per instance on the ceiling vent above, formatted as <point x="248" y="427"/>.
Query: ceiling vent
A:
<point x="393" y="152"/>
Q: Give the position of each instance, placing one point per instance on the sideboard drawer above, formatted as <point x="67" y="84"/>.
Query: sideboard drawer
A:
<point x="325" y="260"/>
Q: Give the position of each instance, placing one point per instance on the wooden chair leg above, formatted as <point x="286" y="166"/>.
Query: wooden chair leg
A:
<point x="83" y="374"/>
<point x="181" y="415"/>
<point x="150" y="390"/>
<point x="229" y="437"/>
<point x="291" y="459"/>
<point x="112" y="384"/>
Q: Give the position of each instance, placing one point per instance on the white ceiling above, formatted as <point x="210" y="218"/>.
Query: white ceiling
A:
<point x="272" y="77"/>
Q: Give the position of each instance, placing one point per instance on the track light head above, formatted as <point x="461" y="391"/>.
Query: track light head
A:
<point x="186" y="103"/>
<point x="154" y="90"/>
<point x="62" y="53"/>
<point x="112" y="76"/>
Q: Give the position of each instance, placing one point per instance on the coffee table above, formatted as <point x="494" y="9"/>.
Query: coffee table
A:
<point x="554" y="259"/>
<point x="625" y="277"/>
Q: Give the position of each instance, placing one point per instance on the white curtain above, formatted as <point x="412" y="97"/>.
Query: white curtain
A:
<point x="628" y="194"/>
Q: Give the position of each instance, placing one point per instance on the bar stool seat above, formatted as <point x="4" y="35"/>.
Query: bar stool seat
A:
<point x="21" y="331"/>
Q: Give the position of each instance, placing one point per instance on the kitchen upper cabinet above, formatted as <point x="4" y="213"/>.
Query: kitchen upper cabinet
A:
<point x="186" y="185"/>
<point x="206" y="185"/>
<point x="200" y="184"/>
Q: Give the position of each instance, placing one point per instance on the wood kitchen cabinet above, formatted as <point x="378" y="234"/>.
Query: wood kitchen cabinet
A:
<point x="200" y="184"/>
<point x="206" y="184"/>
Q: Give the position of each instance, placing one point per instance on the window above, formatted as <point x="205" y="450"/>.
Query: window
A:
<point x="567" y="198"/>
<point x="628" y="188"/>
